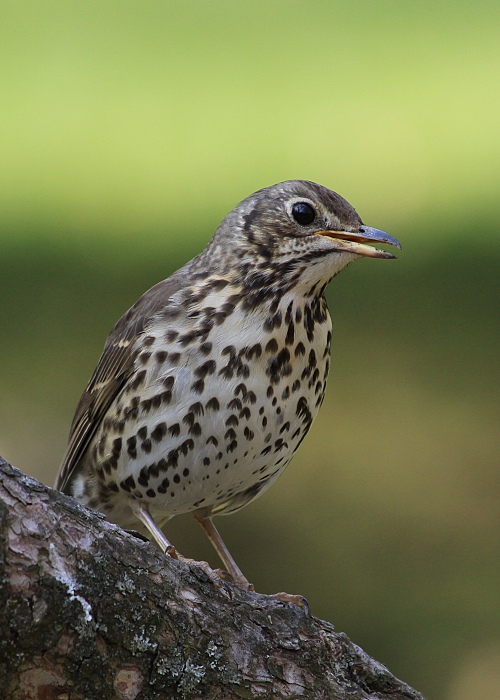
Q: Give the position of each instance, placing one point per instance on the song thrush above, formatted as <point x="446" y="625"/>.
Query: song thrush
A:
<point x="209" y="383"/>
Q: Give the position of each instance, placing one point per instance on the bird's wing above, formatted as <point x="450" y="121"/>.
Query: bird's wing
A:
<point x="115" y="367"/>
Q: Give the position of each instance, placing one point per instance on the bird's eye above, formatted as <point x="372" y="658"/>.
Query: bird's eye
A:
<point x="303" y="213"/>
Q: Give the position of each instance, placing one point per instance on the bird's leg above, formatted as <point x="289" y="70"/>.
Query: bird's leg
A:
<point x="141" y="512"/>
<point x="232" y="567"/>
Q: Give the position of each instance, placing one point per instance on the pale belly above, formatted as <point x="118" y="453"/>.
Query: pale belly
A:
<point x="213" y="431"/>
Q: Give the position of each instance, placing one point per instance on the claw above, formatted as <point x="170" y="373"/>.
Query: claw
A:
<point x="213" y="575"/>
<point x="295" y="599"/>
<point x="172" y="552"/>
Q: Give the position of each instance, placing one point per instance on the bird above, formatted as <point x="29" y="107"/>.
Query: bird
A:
<point x="208" y="384"/>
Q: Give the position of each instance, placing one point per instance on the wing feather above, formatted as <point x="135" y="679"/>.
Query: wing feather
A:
<point x="113" y="370"/>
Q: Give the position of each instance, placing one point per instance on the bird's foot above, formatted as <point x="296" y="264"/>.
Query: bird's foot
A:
<point x="295" y="599"/>
<point x="217" y="576"/>
<point x="239" y="582"/>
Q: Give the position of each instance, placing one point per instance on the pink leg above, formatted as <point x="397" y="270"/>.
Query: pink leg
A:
<point x="223" y="552"/>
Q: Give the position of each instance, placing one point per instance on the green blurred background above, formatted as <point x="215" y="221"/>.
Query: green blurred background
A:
<point x="128" y="130"/>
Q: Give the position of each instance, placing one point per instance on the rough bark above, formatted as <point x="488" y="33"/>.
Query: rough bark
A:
<point x="88" y="611"/>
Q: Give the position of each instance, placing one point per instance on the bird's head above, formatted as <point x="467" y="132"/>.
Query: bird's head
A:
<point x="297" y="222"/>
<point x="293" y="233"/>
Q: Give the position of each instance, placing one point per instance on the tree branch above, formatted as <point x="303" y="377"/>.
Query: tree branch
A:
<point x="88" y="611"/>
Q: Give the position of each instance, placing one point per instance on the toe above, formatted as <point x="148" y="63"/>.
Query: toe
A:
<point x="295" y="599"/>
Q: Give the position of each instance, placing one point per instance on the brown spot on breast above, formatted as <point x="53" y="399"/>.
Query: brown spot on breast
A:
<point x="290" y="334"/>
<point x="254" y="351"/>
<point x="207" y="367"/>
<point x="273" y="321"/>
<point x="162" y="488"/>
<point x="169" y="382"/>
<point x="249" y="434"/>
<point x="159" y="432"/>
<point x="197" y="408"/>
<point x="137" y="380"/>
<point x="250" y="397"/>
<point x="189" y="419"/>
<point x="143" y="478"/>
<point x="272" y="345"/>
<point x="132" y="447"/>
<point x="300" y="349"/>
<point x="171" y="335"/>
<point x="186" y="446"/>
<point x="213" y="404"/>
<point x="128" y="484"/>
<point x="144" y="357"/>
<point x="198" y="386"/>
<point x="279" y="366"/>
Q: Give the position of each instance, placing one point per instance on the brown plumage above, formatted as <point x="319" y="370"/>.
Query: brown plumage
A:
<point x="209" y="383"/>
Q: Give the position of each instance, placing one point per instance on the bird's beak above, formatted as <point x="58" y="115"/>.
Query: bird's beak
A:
<point x="357" y="241"/>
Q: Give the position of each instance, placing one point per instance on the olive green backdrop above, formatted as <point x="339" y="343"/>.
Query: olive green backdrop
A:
<point x="128" y="130"/>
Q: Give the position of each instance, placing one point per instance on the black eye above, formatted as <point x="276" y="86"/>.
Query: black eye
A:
<point x="303" y="213"/>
